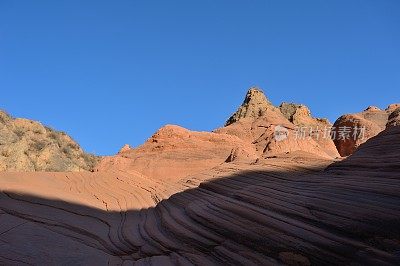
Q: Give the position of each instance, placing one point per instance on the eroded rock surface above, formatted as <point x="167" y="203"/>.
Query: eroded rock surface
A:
<point x="354" y="129"/>
<point x="27" y="145"/>
<point x="278" y="210"/>
<point x="249" y="134"/>
<point x="304" y="132"/>
<point x="241" y="195"/>
<point x="255" y="104"/>
<point x="174" y="152"/>
<point x="394" y="118"/>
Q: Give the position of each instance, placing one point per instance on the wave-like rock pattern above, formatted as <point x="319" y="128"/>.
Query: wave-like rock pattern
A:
<point x="293" y="210"/>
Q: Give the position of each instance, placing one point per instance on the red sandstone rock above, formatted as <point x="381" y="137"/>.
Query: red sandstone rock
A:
<point x="175" y="152"/>
<point x="246" y="194"/>
<point x="371" y="121"/>
<point x="284" y="210"/>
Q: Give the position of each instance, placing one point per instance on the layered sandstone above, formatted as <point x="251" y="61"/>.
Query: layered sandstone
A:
<point x="284" y="210"/>
<point x="249" y="134"/>
<point x="257" y="120"/>
<point x="174" y="152"/>
<point x="249" y="193"/>
<point x="352" y="130"/>
<point x="394" y="118"/>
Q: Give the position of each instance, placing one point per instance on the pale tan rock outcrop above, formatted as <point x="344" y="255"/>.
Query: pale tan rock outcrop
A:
<point x="27" y="145"/>
<point x="318" y="128"/>
<point x="300" y="115"/>
<point x="255" y="105"/>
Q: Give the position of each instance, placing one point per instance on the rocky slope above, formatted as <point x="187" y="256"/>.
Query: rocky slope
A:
<point x="291" y="210"/>
<point x="354" y="129"/>
<point x="249" y="134"/>
<point x="249" y="193"/>
<point x="302" y="132"/>
<point x="257" y="121"/>
<point x="27" y="145"/>
<point x="394" y="118"/>
<point x="174" y="152"/>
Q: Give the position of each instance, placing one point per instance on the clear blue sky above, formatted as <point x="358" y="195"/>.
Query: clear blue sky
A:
<point x="113" y="72"/>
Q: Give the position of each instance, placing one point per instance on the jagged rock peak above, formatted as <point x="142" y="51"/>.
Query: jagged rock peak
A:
<point x="372" y="108"/>
<point x="392" y="107"/>
<point x="254" y="105"/>
<point x="300" y="114"/>
<point x="125" y="148"/>
<point x="289" y="110"/>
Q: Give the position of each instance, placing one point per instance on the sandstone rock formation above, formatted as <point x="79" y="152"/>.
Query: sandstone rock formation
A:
<point x="250" y="133"/>
<point x="394" y="118"/>
<point x="300" y="115"/>
<point x="352" y="130"/>
<point x="256" y="121"/>
<point x="285" y="210"/>
<point x="125" y="148"/>
<point x="319" y="129"/>
<point x="27" y="145"/>
<point x="249" y="193"/>
<point x="255" y="105"/>
<point x="175" y="152"/>
<point x="392" y="107"/>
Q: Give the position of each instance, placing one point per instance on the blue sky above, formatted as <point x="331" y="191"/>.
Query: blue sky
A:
<point x="113" y="72"/>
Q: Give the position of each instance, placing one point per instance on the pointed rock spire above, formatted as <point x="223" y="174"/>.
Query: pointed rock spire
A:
<point x="254" y="105"/>
<point x="125" y="148"/>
